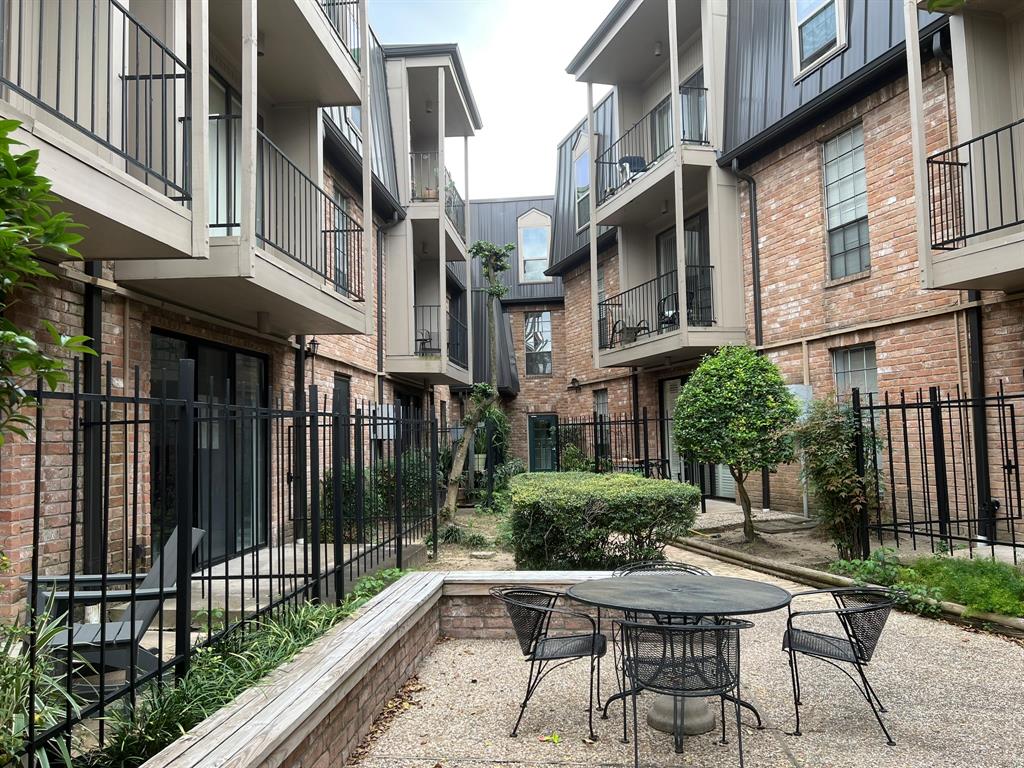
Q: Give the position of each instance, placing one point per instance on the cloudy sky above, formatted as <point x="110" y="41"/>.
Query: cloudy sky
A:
<point x="515" y="53"/>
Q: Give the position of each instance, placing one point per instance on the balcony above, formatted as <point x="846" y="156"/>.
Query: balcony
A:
<point x="458" y="341"/>
<point x="299" y="270"/>
<point x="642" y="324"/>
<point x="429" y="338"/>
<point x="106" y="104"/>
<point x="976" y="207"/>
<point x="425" y="179"/>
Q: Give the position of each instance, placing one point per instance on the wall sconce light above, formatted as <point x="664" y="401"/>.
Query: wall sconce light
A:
<point x="664" y="207"/>
<point x="657" y="48"/>
<point x="261" y="39"/>
<point x="429" y="106"/>
<point x="574" y="384"/>
<point x="312" y="347"/>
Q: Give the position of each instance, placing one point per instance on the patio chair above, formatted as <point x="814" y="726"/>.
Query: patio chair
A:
<point x="643" y="566"/>
<point x="633" y="165"/>
<point x="683" y="661"/>
<point x="425" y="344"/>
<point x="862" y="614"/>
<point x="668" y="311"/>
<point x="531" y="611"/>
<point x="112" y="641"/>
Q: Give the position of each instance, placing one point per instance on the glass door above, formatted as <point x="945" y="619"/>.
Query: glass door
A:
<point x="668" y="281"/>
<point x="543" y="442"/>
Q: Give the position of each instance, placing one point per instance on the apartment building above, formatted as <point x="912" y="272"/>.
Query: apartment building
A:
<point x="283" y="220"/>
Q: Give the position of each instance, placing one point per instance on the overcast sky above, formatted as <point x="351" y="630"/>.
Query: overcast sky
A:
<point x="515" y="53"/>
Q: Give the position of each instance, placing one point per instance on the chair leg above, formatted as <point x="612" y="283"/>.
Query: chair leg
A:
<point x="721" y="700"/>
<point x="874" y="709"/>
<point x="636" y="732"/>
<point x="871" y="690"/>
<point x="795" y="679"/>
<point x="598" y="665"/>
<point x="590" y="709"/>
<point x="530" y="684"/>
<point x="678" y="723"/>
<point x="739" y="728"/>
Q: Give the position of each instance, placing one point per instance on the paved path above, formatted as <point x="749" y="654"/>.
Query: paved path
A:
<point x="956" y="699"/>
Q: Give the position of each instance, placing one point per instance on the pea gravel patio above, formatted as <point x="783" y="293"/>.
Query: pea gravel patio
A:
<point x="956" y="699"/>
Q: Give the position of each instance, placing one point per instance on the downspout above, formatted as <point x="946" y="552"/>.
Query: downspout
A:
<point x="380" y="312"/>
<point x="299" y="429"/>
<point x="755" y="278"/>
<point x="92" y="455"/>
<point x="634" y="381"/>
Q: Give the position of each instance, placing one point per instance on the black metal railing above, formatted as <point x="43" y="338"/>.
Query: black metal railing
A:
<point x="694" y="124"/>
<point x="176" y="518"/>
<point x="344" y="17"/>
<point x="640" y="313"/>
<point x="973" y="188"/>
<point x="458" y="341"/>
<point x="942" y="471"/>
<point x="427" y="322"/>
<point x="225" y="142"/>
<point x="425" y="176"/>
<point x="297" y="217"/>
<point x="99" y="70"/>
<point x="454" y="205"/>
<point x="638" y="149"/>
<point x="700" y="296"/>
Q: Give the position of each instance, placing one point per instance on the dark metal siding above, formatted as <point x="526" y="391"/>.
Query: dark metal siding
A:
<point x="496" y="221"/>
<point x="383" y="137"/>
<point x="760" y="92"/>
<point x="565" y="240"/>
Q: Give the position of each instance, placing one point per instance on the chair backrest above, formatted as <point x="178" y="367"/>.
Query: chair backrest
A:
<point x="530" y="611"/>
<point x="683" y="659"/>
<point x="163" y="573"/>
<point x="659" y="565"/>
<point x="867" y="610"/>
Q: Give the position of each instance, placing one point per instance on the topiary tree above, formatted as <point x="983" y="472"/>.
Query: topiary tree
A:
<point x="736" y="410"/>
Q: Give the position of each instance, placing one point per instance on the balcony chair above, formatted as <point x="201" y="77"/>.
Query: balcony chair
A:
<point x="425" y="344"/>
<point x="862" y="614"/>
<point x="628" y="334"/>
<point x="531" y="611"/>
<point x="683" y="661"/>
<point x="646" y="566"/>
<point x="111" y="642"/>
<point x="632" y="166"/>
<point x="668" y="311"/>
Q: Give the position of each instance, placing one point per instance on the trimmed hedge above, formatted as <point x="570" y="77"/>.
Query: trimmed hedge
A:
<point x="580" y="520"/>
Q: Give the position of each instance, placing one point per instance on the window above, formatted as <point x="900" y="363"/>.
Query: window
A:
<point x="819" y="31"/>
<point x="354" y="117"/>
<point x="581" y="181"/>
<point x="846" y="204"/>
<point x="534" y="239"/>
<point x="601" y="403"/>
<point x="537" y="333"/>
<point x="855" y="367"/>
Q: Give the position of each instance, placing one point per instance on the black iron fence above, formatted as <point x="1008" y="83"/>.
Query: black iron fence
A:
<point x="942" y="470"/>
<point x="973" y="188"/>
<point x="94" y="67"/>
<point x="344" y="17"/>
<point x="153" y="525"/>
<point x="458" y="341"/>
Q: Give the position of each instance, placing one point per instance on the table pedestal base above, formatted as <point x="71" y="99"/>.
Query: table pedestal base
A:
<point x="698" y="715"/>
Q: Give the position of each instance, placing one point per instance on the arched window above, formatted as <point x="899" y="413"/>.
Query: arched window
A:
<point x="534" y="244"/>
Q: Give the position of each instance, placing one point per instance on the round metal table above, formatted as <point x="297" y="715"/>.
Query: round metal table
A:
<point x="684" y="596"/>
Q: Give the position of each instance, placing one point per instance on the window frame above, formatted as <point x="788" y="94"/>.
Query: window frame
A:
<point x="533" y="219"/>
<point x="802" y="69"/>
<point x="550" y="343"/>
<point x="580" y="150"/>
<point x="861" y="222"/>
<point x="844" y="353"/>
<point x="357" y="128"/>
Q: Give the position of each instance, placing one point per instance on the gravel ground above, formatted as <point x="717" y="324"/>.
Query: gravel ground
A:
<point x="720" y="514"/>
<point x="955" y="700"/>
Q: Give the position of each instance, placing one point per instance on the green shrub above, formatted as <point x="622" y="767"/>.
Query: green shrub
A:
<point x="497" y="421"/>
<point x="576" y="520"/>
<point x="571" y="458"/>
<point x="506" y="471"/>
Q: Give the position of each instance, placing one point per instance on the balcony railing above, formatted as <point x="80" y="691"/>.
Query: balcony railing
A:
<point x="427" y="319"/>
<point x="458" y="341"/>
<point x="454" y="205"/>
<point x="652" y="308"/>
<point x="425" y="177"/>
<point x="96" y="68"/>
<point x="973" y="187"/>
<point x="344" y="17"/>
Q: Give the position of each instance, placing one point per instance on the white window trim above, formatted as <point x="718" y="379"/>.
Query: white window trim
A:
<point x="357" y="129"/>
<point x="533" y="218"/>
<point x="799" y="73"/>
<point x="581" y="148"/>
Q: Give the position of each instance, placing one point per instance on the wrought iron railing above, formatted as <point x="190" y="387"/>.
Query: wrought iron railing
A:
<point x="344" y="17"/>
<point x="700" y="296"/>
<point x="454" y="205"/>
<point x="641" y="312"/>
<point x="638" y="149"/>
<point x="96" y="68"/>
<point x="973" y="188"/>
<point x="427" y="321"/>
<point x="425" y="177"/>
<point x="458" y="341"/>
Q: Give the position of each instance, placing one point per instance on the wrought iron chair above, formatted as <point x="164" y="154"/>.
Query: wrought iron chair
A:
<point x="659" y="565"/>
<point x="684" y="661"/>
<point x="862" y="613"/>
<point x="531" y="611"/>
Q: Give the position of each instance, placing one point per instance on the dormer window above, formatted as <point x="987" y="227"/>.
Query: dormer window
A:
<point x="819" y="32"/>
<point x="534" y="243"/>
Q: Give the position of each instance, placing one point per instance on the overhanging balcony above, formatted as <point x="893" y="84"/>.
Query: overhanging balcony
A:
<point x="435" y="329"/>
<point x="106" y="104"/>
<point x="424" y="194"/>
<point x="299" y="271"/>
<point x="976" y="210"/>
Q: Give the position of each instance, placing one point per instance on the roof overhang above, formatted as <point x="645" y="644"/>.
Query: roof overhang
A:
<point x="447" y="55"/>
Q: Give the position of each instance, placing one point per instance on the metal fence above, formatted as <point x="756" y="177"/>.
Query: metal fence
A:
<point x="155" y="525"/>
<point x="942" y="470"/>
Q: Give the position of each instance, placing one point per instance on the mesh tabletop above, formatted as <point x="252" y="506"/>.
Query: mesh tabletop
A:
<point x="680" y="594"/>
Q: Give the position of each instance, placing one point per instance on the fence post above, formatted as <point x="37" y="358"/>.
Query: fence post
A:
<point x="338" y="459"/>
<point x="360" y="483"/>
<point x="939" y="462"/>
<point x="314" y="491"/>
<point x="433" y="484"/>
<point x="398" y="486"/>
<point x="185" y="453"/>
<point x="858" y="461"/>
<point x="647" y="447"/>
<point x="597" y="444"/>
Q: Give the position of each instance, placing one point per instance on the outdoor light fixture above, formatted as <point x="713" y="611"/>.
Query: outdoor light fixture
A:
<point x="312" y="347"/>
<point x="574" y="384"/>
<point x="261" y="39"/>
<point x="429" y="107"/>
<point x="657" y="48"/>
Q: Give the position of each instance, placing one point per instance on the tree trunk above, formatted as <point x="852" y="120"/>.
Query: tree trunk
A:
<point x="749" y="534"/>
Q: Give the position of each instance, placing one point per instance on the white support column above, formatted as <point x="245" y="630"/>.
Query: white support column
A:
<point x="442" y="198"/>
<point x="247" y="165"/>
<point x="198" y="128"/>
<point x="469" y="259"/>
<point x="677" y="172"/>
<point x="595" y="336"/>
<point x="916" y="94"/>
<point x="366" y="127"/>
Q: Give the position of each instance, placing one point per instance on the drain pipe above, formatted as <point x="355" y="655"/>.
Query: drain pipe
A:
<point x="987" y="506"/>
<point x="755" y="275"/>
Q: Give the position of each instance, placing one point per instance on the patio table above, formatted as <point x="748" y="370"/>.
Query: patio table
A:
<point x="688" y="597"/>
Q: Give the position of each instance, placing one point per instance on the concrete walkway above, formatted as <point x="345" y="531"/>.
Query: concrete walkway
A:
<point x="956" y="699"/>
